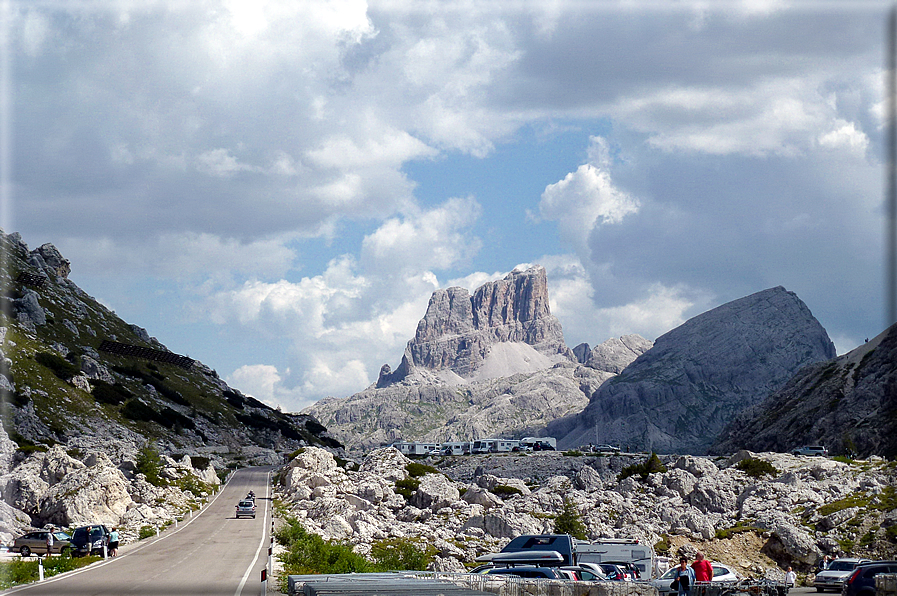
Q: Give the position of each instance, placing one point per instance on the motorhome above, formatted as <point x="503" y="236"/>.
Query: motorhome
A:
<point x="539" y="443"/>
<point x="617" y="550"/>
<point x="455" y="448"/>
<point x="415" y="448"/>
<point x="485" y="446"/>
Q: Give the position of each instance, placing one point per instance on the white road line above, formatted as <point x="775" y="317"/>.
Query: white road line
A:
<point x="262" y="542"/>
<point x="110" y="560"/>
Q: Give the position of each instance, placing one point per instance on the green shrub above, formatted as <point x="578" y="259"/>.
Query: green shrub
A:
<point x="199" y="462"/>
<point x="569" y="522"/>
<point x="757" y="468"/>
<point x="738" y="528"/>
<point x="134" y="409"/>
<point x="61" y="367"/>
<point x="416" y="470"/>
<point x="662" y="546"/>
<point x="108" y="393"/>
<point x="852" y="500"/>
<point x="407" y="487"/>
<point x="400" y="554"/>
<point x="19" y="572"/>
<point x="652" y="465"/>
<point x="503" y="490"/>
<point x="891" y="533"/>
<point x="573" y="453"/>
<point x="295" y="454"/>
<point x="149" y="463"/>
<point x="309" y="553"/>
<point x="146" y="532"/>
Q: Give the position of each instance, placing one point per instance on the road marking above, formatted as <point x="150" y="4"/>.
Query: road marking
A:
<point x="109" y="560"/>
<point x="262" y="543"/>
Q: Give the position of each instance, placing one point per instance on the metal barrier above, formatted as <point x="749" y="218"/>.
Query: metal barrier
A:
<point x="747" y="587"/>
<point x="885" y="584"/>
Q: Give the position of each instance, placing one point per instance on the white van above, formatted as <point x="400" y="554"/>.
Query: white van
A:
<point x="617" y="550"/>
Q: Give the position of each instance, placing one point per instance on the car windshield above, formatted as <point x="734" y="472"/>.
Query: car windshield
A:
<point x="61" y="536"/>
<point x="841" y="566"/>
<point x="720" y="570"/>
<point x="669" y="574"/>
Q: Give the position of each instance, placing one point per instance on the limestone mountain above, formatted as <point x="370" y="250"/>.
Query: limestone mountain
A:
<point x="489" y="364"/>
<point x="680" y="394"/>
<point x="505" y="327"/>
<point x="83" y="392"/>
<point x="848" y="404"/>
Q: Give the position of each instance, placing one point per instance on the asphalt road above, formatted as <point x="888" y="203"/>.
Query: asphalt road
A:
<point x="211" y="553"/>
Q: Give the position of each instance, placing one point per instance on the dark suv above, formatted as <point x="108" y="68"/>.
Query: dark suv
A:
<point x="862" y="581"/>
<point x="89" y="540"/>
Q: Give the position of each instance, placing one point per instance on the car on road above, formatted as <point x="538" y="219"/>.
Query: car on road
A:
<point x="811" y="450"/>
<point x="861" y="581"/>
<point x="604" y="448"/>
<point x="245" y="508"/>
<point x="833" y="577"/>
<point x="721" y="573"/>
<point x="36" y="543"/>
<point x="527" y="571"/>
<point x="89" y="540"/>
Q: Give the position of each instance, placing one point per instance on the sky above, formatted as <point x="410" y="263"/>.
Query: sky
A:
<point x="276" y="187"/>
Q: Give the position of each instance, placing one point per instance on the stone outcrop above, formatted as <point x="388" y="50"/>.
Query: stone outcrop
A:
<point x="694" y="500"/>
<point x="848" y="404"/>
<point x="679" y="395"/>
<point x="459" y="330"/>
<point x="615" y="354"/>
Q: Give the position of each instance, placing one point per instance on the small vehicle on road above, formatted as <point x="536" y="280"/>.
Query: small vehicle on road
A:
<point x="721" y="573"/>
<point x="837" y="572"/>
<point x="245" y="508"/>
<point x="811" y="450"/>
<point x="604" y="448"/>
<point x="862" y="580"/>
<point x="36" y="543"/>
<point x="90" y="540"/>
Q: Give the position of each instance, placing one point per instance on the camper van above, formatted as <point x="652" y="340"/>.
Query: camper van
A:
<point x="617" y="550"/>
<point x="456" y="448"/>
<point x="485" y="446"/>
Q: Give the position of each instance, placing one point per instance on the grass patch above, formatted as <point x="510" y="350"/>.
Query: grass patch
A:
<point x="738" y="528"/>
<point x="146" y="532"/>
<point x="407" y="487"/>
<point x="662" y="546"/>
<point x="652" y="465"/>
<point x="757" y="468"/>
<point x="572" y="453"/>
<point x="503" y="490"/>
<point x="15" y="573"/>
<point x="61" y="367"/>
<point x="853" y="500"/>
<point x="416" y="469"/>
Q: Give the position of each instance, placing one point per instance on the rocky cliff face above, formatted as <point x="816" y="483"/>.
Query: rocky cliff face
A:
<point x="459" y="331"/>
<point x="76" y="414"/>
<point x="848" y="404"/>
<point x="491" y="364"/>
<point x="680" y="394"/>
<point x="469" y="509"/>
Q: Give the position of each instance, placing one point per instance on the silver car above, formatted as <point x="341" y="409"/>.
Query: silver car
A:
<point x="721" y="573"/>
<point x="246" y="508"/>
<point x="837" y="573"/>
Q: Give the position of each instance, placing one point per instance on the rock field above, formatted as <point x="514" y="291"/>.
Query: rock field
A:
<point x="806" y="508"/>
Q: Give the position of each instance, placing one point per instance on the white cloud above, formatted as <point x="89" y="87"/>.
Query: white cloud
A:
<point x="845" y="136"/>
<point x="586" y="199"/>
<point x="257" y="380"/>
<point x="219" y="162"/>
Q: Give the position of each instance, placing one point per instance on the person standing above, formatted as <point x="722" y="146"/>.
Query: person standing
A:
<point x="113" y="542"/>
<point x="50" y="541"/>
<point x="684" y="578"/>
<point x="790" y="578"/>
<point x="703" y="568"/>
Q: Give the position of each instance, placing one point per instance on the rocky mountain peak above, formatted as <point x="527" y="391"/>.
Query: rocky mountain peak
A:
<point x="459" y="330"/>
<point x="681" y="393"/>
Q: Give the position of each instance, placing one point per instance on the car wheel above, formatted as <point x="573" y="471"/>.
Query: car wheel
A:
<point x="26" y="552"/>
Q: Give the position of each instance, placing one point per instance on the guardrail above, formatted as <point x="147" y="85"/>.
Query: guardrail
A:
<point x="747" y="587"/>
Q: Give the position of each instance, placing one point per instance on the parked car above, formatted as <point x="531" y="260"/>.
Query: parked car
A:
<point x="861" y="581"/>
<point x="629" y="569"/>
<point x="811" y="450"/>
<point x="613" y="572"/>
<point x="604" y="448"/>
<point x="527" y="571"/>
<point x="585" y="574"/>
<point x="246" y="508"/>
<point x="836" y="574"/>
<point x="721" y="573"/>
<point x="36" y="543"/>
<point x="89" y="540"/>
<point x="596" y="569"/>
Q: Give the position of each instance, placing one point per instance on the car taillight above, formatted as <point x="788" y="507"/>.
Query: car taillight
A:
<point x="854" y="575"/>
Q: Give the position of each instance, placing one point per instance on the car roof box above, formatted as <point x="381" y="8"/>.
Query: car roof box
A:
<point x="537" y="557"/>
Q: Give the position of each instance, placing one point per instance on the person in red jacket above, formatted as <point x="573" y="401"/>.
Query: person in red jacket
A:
<point x="703" y="568"/>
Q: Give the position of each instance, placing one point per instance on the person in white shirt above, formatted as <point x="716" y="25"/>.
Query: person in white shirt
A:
<point x="790" y="578"/>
